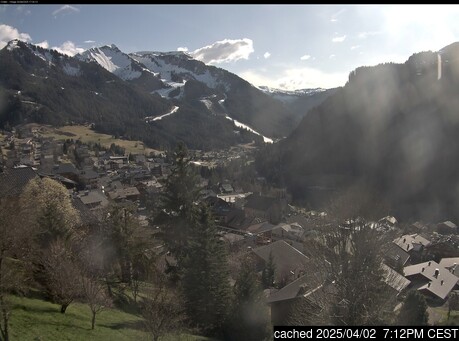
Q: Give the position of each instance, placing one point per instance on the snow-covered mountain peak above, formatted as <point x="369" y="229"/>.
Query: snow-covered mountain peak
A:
<point x="113" y="60"/>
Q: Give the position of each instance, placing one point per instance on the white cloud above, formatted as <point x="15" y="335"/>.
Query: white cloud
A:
<point x="355" y="47"/>
<point x="297" y="78"/>
<point x="224" y="51"/>
<point x="8" y="33"/>
<point x="365" y="35"/>
<point x="267" y="55"/>
<point x="66" y="9"/>
<point x="339" y="39"/>
<point x="305" y="57"/>
<point x="332" y="56"/>
<point x="182" y="49"/>
<point x="44" y="44"/>
<point x="89" y="42"/>
<point x="68" y="48"/>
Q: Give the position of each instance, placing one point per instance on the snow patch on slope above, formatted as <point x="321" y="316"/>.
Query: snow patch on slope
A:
<point x="244" y="126"/>
<point x="150" y="119"/>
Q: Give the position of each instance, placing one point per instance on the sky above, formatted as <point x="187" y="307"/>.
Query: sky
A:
<point x="281" y="46"/>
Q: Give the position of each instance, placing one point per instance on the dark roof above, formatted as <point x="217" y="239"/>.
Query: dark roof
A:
<point x="86" y="216"/>
<point x="286" y="258"/>
<point x="397" y="254"/>
<point x="290" y="291"/>
<point x="13" y="180"/>
<point x="67" y="168"/>
<point x="394" y="279"/>
<point x="440" y="286"/>
<point x="258" y="202"/>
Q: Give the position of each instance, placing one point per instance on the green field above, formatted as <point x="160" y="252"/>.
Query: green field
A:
<point x="85" y="134"/>
<point x="35" y="319"/>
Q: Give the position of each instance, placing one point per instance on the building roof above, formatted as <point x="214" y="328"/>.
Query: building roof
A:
<point x="388" y="219"/>
<point x="67" y="168"/>
<point x="440" y="285"/>
<point x="394" y="279"/>
<point x="94" y="197"/>
<point x="397" y="254"/>
<point x="285" y="257"/>
<point x="290" y="291"/>
<point x="409" y="241"/>
<point x="449" y="224"/>
<point x="123" y="193"/>
<point x="86" y="216"/>
<point x="13" y="180"/>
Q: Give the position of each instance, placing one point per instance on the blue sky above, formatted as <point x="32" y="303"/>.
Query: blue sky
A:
<point x="283" y="46"/>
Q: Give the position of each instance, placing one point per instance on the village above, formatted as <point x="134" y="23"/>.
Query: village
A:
<point x="421" y="256"/>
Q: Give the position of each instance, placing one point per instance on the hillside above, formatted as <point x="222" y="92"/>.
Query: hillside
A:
<point x="393" y="129"/>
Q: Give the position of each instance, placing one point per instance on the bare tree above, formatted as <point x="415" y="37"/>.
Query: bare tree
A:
<point x="95" y="295"/>
<point x="161" y="309"/>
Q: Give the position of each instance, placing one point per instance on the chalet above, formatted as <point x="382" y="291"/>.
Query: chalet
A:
<point x="447" y="227"/>
<point x="14" y="180"/>
<point x="431" y="279"/>
<point x="412" y="243"/>
<point x="289" y="262"/>
<point x="396" y="257"/>
<point x="130" y="193"/>
<point x="89" y="178"/>
<point x="94" y="199"/>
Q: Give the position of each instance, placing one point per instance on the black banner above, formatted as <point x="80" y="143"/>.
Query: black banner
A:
<point x="349" y="333"/>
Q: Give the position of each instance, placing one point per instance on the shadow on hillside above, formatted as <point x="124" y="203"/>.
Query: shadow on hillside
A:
<point x="37" y="309"/>
<point x="138" y="325"/>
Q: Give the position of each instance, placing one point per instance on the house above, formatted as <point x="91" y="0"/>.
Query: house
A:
<point x="394" y="280"/>
<point x="431" y="279"/>
<point x="447" y="227"/>
<point x="93" y="199"/>
<point x="89" y="178"/>
<point x="396" y="257"/>
<point x="68" y="170"/>
<point x="226" y="188"/>
<point x="14" y="180"/>
<point x="388" y="221"/>
<point x="289" y="262"/>
<point x="130" y="193"/>
<point x="304" y="290"/>
<point x="412" y="243"/>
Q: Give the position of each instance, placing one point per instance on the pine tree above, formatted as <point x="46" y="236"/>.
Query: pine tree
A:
<point x="267" y="275"/>
<point x="205" y="281"/>
<point x="414" y="310"/>
<point x="250" y="318"/>
<point x="179" y="204"/>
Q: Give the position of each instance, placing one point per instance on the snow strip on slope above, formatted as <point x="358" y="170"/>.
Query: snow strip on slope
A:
<point x="244" y="126"/>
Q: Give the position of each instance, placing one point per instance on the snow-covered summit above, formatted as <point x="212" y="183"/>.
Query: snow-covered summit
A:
<point x="113" y="60"/>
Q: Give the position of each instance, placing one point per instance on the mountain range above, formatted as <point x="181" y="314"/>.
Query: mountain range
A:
<point x="157" y="97"/>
